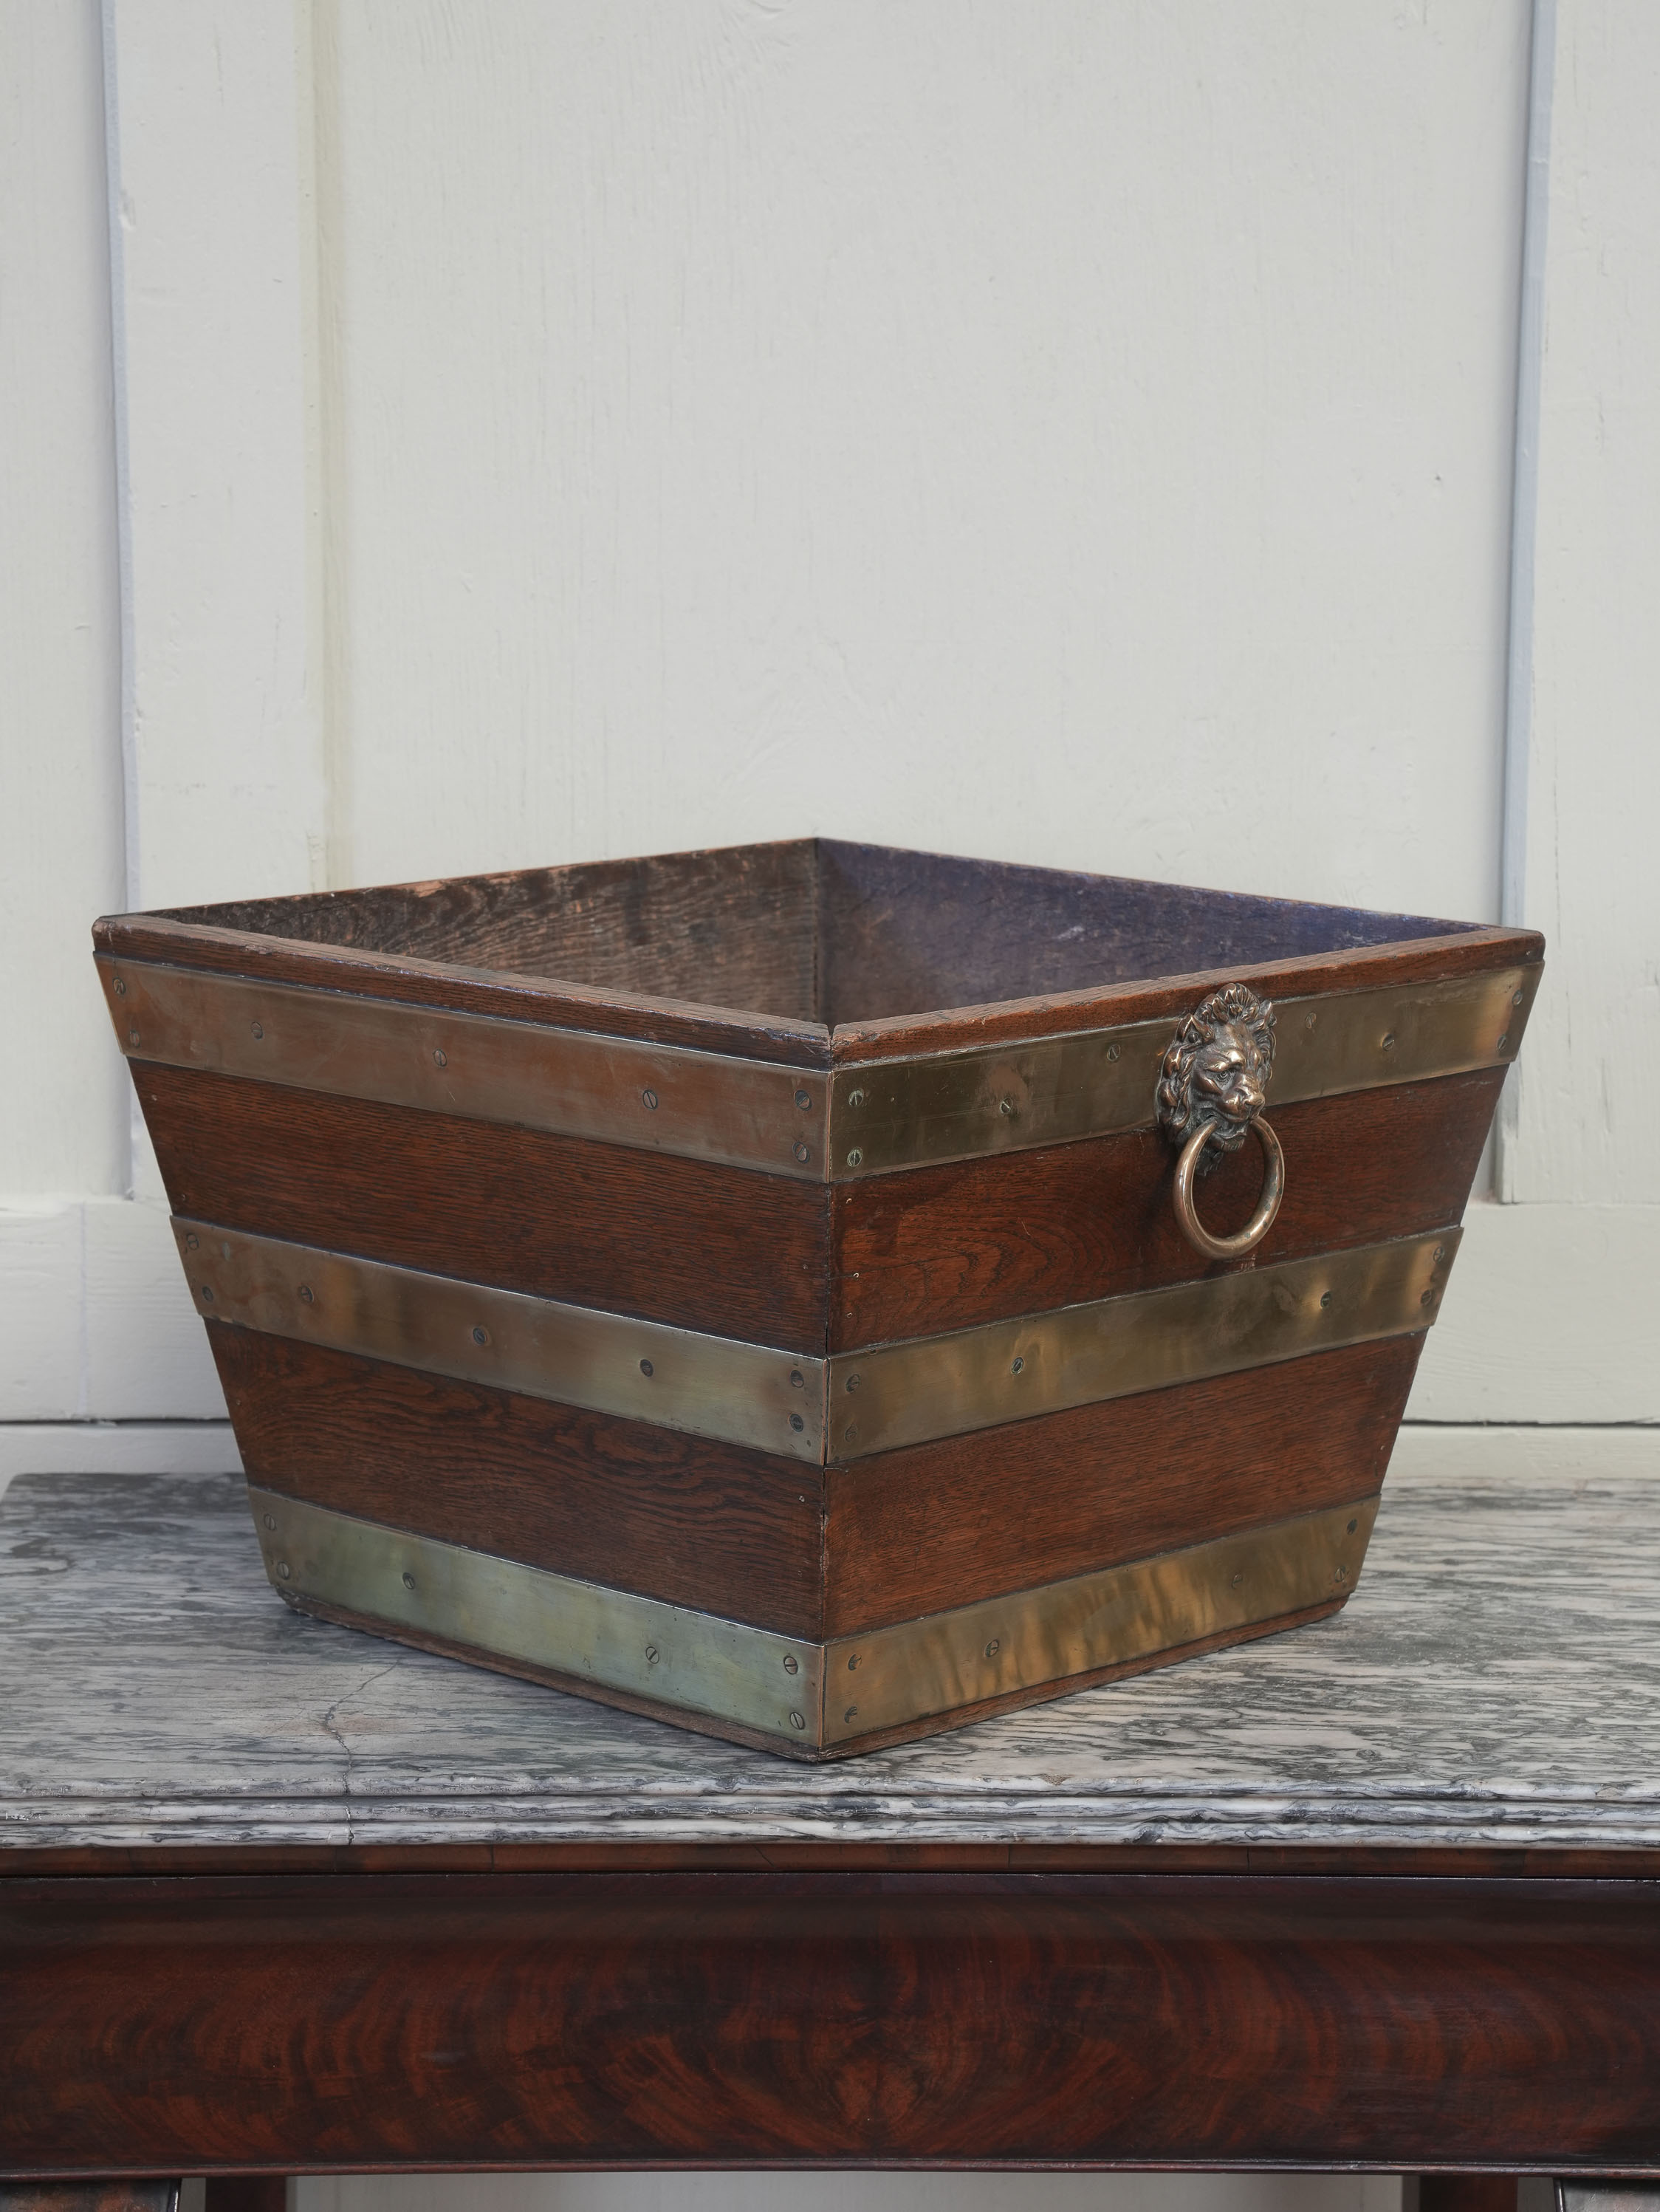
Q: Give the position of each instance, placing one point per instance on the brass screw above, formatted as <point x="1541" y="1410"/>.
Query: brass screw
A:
<point x="1308" y="1020"/>
<point x="651" y="1655"/>
<point x="441" y="1059"/>
<point x="798" y="1720"/>
<point x="1515" y="1001"/>
<point x="1006" y="1107"/>
<point x="790" y="1665"/>
<point x="1440" y="1254"/>
<point x="851" y="1713"/>
<point x="1504" y="1041"/>
<point x="282" y="1569"/>
<point x="192" y="1243"/>
<point x="408" y="1579"/>
<point x="1427" y="1299"/>
<point x="1325" y="1300"/>
<point x="855" y="1098"/>
<point x="850" y="1434"/>
<point x="259" y="1029"/>
<point x="993" y="1648"/>
<point x="1341" y="1574"/>
<point x="304" y="1294"/>
<point x="133" y="1036"/>
<point x="803" y="1099"/>
<point x="1237" y="1579"/>
<point x="801" y="1154"/>
<point x="207" y="1293"/>
<point x="649" y="1098"/>
<point x="1112" y="1052"/>
<point x="855" y="1157"/>
<point x="853" y="1382"/>
<point x="1018" y="1366"/>
<point x="270" y="1520"/>
<point x="120" y="989"/>
<point x="646" y="1368"/>
<point x="853" y="1661"/>
<point x="797" y="1422"/>
<point x="1389" y="1041"/>
<point x="1351" y="1526"/>
<point x="797" y="1380"/>
<point x="480" y="1334"/>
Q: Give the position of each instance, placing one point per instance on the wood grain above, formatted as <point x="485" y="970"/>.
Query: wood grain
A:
<point x="623" y="1503"/>
<point x="669" y="1239"/>
<point x="721" y="2018"/>
<point x="911" y="1532"/>
<point x="943" y="1248"/>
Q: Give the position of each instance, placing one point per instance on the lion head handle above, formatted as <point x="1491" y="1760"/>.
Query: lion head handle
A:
<point x="1217" y="1069"/>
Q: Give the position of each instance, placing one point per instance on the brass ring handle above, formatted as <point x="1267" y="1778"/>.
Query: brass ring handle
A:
<point x="1274" y="1187"/>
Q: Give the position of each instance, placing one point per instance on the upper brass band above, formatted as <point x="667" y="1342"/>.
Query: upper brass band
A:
<point x="868" y="1119"/>
<point x="822" y="1411"/>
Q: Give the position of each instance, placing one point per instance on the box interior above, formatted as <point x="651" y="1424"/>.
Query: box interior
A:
<point x="821" y="931"/>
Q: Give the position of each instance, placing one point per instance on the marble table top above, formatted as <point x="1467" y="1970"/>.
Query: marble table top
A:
<point x="1494" y="1680"/>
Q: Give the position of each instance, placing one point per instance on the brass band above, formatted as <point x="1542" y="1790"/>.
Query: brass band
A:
<point x="811" y="1698"/>
<point x="866" y="1120"/>
<point x="834" y="1410"/>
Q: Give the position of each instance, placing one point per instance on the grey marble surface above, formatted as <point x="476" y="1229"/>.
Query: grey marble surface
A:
<point x="1496" y="1678"/>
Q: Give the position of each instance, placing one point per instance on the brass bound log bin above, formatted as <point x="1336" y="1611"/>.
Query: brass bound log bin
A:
<point x="814" y="1293"/>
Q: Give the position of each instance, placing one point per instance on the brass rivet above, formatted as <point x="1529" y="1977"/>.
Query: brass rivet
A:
<point x="790" y="1663"/>
<point x="993" y="1648"/>
<point x="798" y="1720"/>
<point x="803" y="1154"/>
<point x="1427" y="1299"/>
<point x="651" y="1655"/>
<point x="121" y="991"/>
<point x="133" y="1036"/>
<point x="1325" y="1300"/>
<point x="1353" y="1526"/>
<point x="855" y="1157"/>
<point x="441" y="1059"/>
<point x="207" y="1293"/>
<point x="408" y="1579"/>
<point x="805" y="1100"/>
<point x="1389" y="1040"/>
<point x="649" y="1098"/>
<point x="270" y="1520"/>
<point x="855" y="1098"/>
<point x="853" y="1382"/>
<point x="646" y="1368"/>
<point x="1112" y="1052"/>
<point x="851" y="1714"/>
<point x="853" y="1661"/>
<point x="192" y="1243"/>
<point x="797" y="1380"/>
<point x="259" y="1029"/>
<point x="480" y="1334"/>
<point x="282" y="1569"/>
<point x="1504" y="1041"/>
<point x="304" y="1294"/>
<point x="797" y="1422"/>
<point x="1516" y="1000"/>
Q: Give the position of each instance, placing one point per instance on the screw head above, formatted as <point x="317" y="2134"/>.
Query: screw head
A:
<point x="441" y="1059"/>
<point x="1389" y="1040"/>
<point x="1427" y="1299"/>
<point x="207" y="1293"/>
<point x="1325" y="1300"/>
<point x="1341" y="1574"/>
<point x="850" y="1434"/>
<point x="797" y="1422"/>
<point x="304" y="1294"/>
<point x="805" y="1100"/>
<point x="853" y="1661"/>
<point x="855" y="1157"/>
<point x="646" y="1368"/>
<point x="1112" y="1052"/>
<point x="192" y="1243"/>
<point x="1235" y="1580"/>
<point x="1353" y="1526"/>
<point x="1006" y="1108"/>
<point x="1504" y="1041"/>
<point x="408" y="1579"/>
<point x="270" y="1520"/>
<point x="133" y="1036"/>
<point x="480" y="1334"/>
<point x="120" y="989"/>
<point x="798" y="1720"/>
<point x="1308" y="1020"/>
<point x="651" y="1655"/>
<point x="1516" y="999"/>
<point x="649" y="1100"/>
<point x="1018" y="1368"/>
<point x="802" y="1153"/>
<point x="851" y="1714"/>
<point x="993" y="1648"/>
<point x="797" y="1380"/>
<point x="1440" y="1254"/>
<point x="259" y="1029"/>
<point x="282" y="1569"/>
<point x="791" y="1664"/>
<point x="853" y="1382"/>
<point x="855" y="1098"/>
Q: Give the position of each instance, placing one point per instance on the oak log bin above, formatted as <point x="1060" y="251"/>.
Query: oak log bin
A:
<point x="747" y="1286"/>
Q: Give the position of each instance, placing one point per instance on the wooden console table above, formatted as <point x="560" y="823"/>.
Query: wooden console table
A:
<point x="279" y="1898"/>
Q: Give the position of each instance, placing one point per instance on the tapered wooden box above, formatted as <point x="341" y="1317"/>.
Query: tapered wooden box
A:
<point x="788" y="1289"/>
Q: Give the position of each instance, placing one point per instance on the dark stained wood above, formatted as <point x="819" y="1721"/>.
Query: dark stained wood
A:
<point x="644" y="1233"/>
<point x="1467" y="2193"/>
<point x="306" y="2024"/>
<point x="943" y="1248"/>
<point x="246" y="2192"/>
<point x="911" y="1532"/>
<point x="904" y="933"/>
<point x="622" y="1503"/>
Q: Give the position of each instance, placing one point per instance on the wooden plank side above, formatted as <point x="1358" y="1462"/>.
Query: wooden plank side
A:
<point x="733" y="928"/>
<point x="1192" y="2020"/>
<point x="915" y="1531"/>
<point x="670" y="1239"/>
<point x="929" y="1249"/>
<point x="1424" y="960"/>
<point x="713" y="1525"/>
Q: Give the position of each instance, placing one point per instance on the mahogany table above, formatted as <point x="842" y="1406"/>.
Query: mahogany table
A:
<point x="278" y="1898"/>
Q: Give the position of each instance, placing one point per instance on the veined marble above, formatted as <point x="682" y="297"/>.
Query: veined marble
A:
<point x="1494" y="1679"/>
